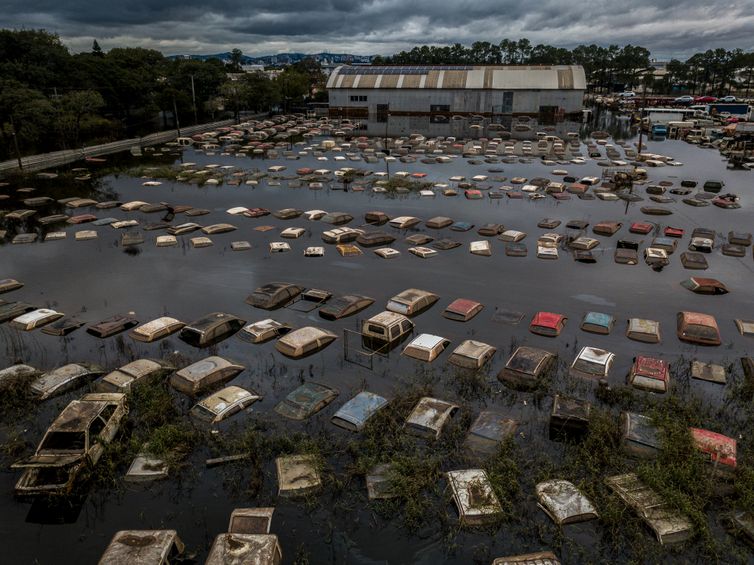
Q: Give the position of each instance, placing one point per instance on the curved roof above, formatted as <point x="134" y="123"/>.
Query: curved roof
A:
<point x="552" y="77"/>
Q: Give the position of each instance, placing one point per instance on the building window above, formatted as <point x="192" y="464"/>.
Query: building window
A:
<point x="439" y="114"/>
<point x="358" y="98"/>
<point x="382" y="113"/>
<point x="507" y="103"/>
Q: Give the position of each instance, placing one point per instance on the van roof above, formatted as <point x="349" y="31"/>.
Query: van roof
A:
<point x="387" y="318"/>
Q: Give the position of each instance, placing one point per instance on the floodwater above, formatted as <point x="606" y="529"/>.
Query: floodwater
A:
<point x="96" y="279"/>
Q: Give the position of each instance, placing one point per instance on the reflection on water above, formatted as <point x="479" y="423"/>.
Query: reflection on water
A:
<point x="94" y="280"/>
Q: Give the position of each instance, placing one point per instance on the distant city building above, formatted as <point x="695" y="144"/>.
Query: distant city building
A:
<point x="248" y="68"/>
<point x="414" y="98"/>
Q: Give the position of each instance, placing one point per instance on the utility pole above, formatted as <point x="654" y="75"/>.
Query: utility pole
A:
<point x="193" y="99"/>
<point x="15" y="143"/>
<point x="641" y="118"/>
<point x="175" y="116"/>
<point x="385" y="149"/>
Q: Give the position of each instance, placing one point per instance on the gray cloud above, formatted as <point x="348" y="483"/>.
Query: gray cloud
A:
<point x="667" y="27"/>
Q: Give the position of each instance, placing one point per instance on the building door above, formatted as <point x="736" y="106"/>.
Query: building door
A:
<point x="547" y="114"/>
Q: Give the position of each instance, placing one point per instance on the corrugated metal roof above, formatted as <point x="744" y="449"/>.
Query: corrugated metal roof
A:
<point x="556" y="77"/>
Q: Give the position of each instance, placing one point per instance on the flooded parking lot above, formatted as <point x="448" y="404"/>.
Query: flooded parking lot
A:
<point x="95" y="279"/>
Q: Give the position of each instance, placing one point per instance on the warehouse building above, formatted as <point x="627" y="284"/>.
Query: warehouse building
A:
<point x="401" y="99"/>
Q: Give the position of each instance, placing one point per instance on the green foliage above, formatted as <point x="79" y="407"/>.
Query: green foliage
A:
<point x="503" y="472"/>
<point x="394" y="183"/>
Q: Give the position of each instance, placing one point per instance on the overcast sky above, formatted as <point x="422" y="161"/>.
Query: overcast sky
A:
<point x="262" y="27"/>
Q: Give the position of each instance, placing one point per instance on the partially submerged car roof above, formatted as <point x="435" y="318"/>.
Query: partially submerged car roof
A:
<point x="354" y="414"/>
<point x="80" y="413"/>
<point x="141" y="547"/>
<point x="251" y="549"/>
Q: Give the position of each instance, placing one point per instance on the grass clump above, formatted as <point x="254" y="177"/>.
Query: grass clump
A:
<point x="394" y="183"/>
<point x="503" y="472"/>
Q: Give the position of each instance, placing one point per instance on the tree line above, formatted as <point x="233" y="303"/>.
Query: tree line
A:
<point x="51" y="99"/>
<point x="717" y="71"/>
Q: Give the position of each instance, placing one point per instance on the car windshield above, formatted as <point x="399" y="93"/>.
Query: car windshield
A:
<point x="523" y="364"/>
<point x="203" y="413"/>
<point x="379" y="330"/>
<point x="589" y="367"/>
<point x="702" y="332"/>
<point x="64" y="441"/>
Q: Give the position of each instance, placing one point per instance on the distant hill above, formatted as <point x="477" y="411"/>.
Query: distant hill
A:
<point x="284" y="58"/>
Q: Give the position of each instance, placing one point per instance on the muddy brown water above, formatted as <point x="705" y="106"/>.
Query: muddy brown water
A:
<point x="96" y="279"/>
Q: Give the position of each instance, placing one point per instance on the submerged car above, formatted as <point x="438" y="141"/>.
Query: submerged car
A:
<point x="375" y="239"/>
<point x="648" y="373"/>
<point x="411" y="301"/>
<point x="641" y="329"/>
<point x="336" y="218"/>
<point x="471" y="354"/>
<point x="404" y="222"/>
<point x="77" y="438"/>
<point x="231" y="548"/>
<point x="547" y="324"/>
<point x="462" y="310"/>
<point x="306" y="400"/>
<point x="273" y="295"/>
<point x="592" y="363"/>
<point x="112" y="326"/>
<point x="386" y="328"/>
<point x="264" y="330"/>
<point x="156" y="329"/>
<point x="344" y="306"/>
<point x="429" y="416"/>
<point x="204" y="374"/>
<point x="355" y="413"/>
<point x="223" y="404"/>
<point x="527" y="367"/>
<point x="426" y="347"/>
<point x="134" y="373"/>
<point x="6" y="285"/>
<point x="341" y="235"/>
<point x="656" y="257"/>
<point x="63" y="379"/>
<point x="35" y="319"/>
<point x="304" y="341"/>
<point x="704" y="286"/>
<point x="597" y="322"/>
<point x="211" y="329"/>
<point x="158" y="547"/>
<point x="697" y="328"/>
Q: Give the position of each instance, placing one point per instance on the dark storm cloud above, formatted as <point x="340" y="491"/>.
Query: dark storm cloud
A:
<point x="668" y="28"/>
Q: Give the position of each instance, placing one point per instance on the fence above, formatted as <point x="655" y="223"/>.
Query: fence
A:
<point x="57" y="158"/>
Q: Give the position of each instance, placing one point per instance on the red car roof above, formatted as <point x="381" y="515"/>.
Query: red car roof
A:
<point x="651" y="367"/>
<point x="720" y="448"/>
<point x="643" y="227"/>
<point x="547" y="320"/>
<point x="462" y="306"/>
<point x="699" y="319"/>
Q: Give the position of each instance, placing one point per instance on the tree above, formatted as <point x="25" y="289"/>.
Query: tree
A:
<point x="236" y="58"/>
<point x="313" y="70"/>
<point x="34" y="57"/>
<point x="26" y="115"/>
<point x="96" y="49"/>
<point x="235" y="95"/>
<point x="73" y="108"/>
<point x="676" y="74"/>
<point x="293" y="86"/>
<point x="746" y="64"/>
<point x="260" y="93"/>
